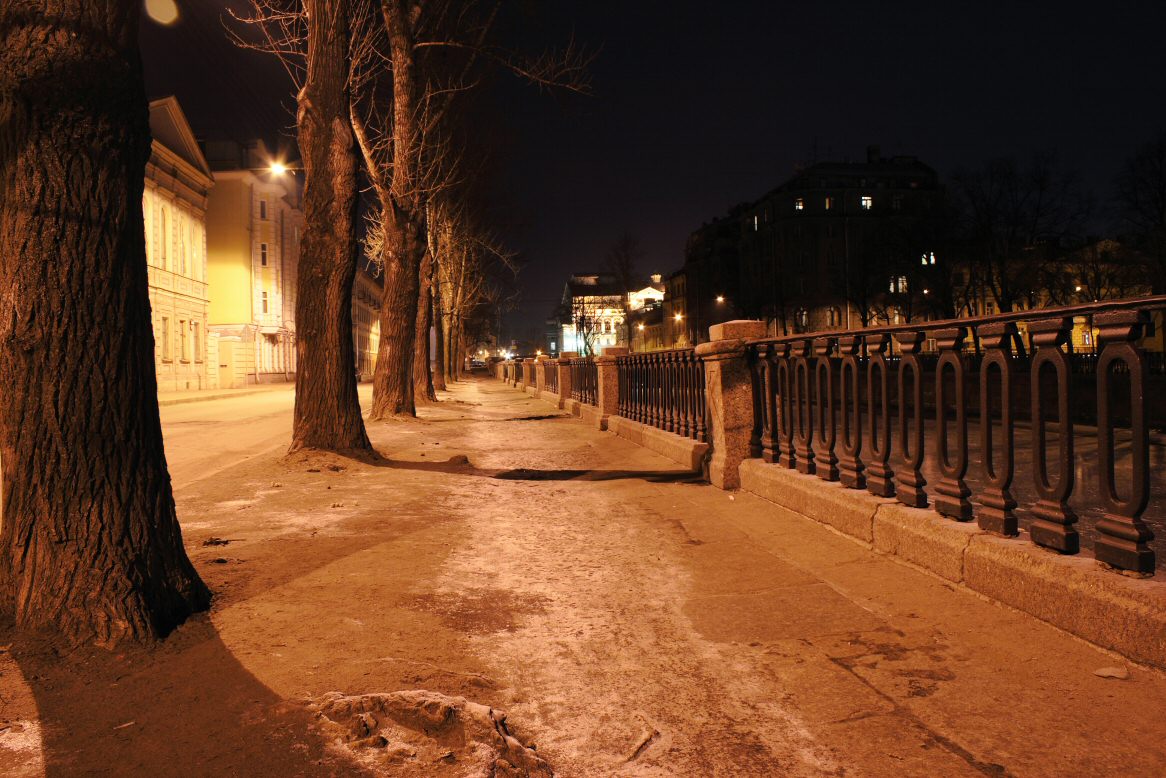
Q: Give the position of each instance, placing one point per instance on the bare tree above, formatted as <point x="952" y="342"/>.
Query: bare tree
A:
<point x="1018" y="218"/>
<point x="313" y="39"/>
<point x="327" y="410"/>
<point x="421" y="56"/>
<point x="621" y="260"/>
<point x="1141" y="202"/>
<point x="90" y="546"/>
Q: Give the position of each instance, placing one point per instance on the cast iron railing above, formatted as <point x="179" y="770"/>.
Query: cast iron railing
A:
<point x="870" y="409"/>
<point x="664" y="389"/>
<point x="551" y="375"/>
<point x="584" y="380"/>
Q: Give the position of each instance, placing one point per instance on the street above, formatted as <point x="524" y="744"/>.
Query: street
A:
<point x="628" y="619"/>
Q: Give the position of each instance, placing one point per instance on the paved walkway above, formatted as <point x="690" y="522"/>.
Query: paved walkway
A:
<point x="629" y="620"/>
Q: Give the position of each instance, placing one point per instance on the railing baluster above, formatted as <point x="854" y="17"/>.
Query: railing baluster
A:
<point x="879" y="475"/>
<point x="1053" y="525"/>
<point x="850" y="469"/>
<point x="783" y="403"/>
<point x="699" y="405"/>
<point x="767" y="402"/>
<point x="997" y="513"/>
<point x="669" y="386"/>
<point x="824" y="457"/>
<point x="1122" y="536"/>
<point x="952" y="491"/>
<point x="802" y="411"/>
<point x="910" y="478"/>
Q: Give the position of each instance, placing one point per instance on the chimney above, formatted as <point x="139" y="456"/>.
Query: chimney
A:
<point x="872" y="154"/>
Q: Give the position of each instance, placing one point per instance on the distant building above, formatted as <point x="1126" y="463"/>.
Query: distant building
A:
<point x="595" y="308"/>
<point x="174" y="206"/>
<point x="815" y="252"/>
<point x="253" y="244"/>
<point x="366" y="323"/>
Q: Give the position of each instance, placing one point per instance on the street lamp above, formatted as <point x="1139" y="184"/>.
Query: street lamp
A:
<point x="678" y="317"/>
<point x="720" y="299"/>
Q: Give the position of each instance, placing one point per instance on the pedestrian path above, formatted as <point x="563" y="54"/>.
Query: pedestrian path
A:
<point x="661" y="626"/>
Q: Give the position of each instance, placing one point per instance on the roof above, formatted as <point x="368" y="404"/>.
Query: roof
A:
<point x="169" y="127"/>
<point x="592" y="285"/>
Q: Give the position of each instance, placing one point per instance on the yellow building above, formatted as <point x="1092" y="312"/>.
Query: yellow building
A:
<point x="366" y="323"/>
<point x="253" y="249"/>
<point x="174" y="204"/>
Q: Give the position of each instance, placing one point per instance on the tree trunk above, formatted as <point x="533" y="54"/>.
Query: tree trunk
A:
<point x="422" y="376"/>
<point x="90" y="546"/>
<point x="393" y="378"/>
<point x="327" y="411"/>
<point x="405" y="242"/>
<point x="439" y="338"/>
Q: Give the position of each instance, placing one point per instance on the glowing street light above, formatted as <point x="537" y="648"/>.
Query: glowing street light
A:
<point x="720" y="299"/>
<point x="278" y="168"/>
<point x="164" y="12"/>
<point x="640" y="326"/>
<point x="678" y="317"/>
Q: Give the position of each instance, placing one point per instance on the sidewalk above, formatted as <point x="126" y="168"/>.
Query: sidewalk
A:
<point x="629" y="620"/>
<point x="197" y="395"/>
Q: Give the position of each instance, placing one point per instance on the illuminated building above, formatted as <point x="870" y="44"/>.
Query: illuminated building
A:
<point x="174" y="204"/>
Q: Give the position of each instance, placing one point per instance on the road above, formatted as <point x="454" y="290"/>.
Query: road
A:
<point x="204" y="438"/>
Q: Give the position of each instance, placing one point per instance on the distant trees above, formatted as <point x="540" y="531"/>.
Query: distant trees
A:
<point x="1141" y="208"/>
<point x="90" y="547"/>
<point x="1018" y="220"/>
<point x="621" y="261"/>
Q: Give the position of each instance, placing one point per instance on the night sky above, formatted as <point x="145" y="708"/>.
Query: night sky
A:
<point x="701" y="105"/>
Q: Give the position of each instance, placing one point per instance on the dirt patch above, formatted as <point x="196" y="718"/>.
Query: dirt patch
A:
<point x="479" y="611"/>
<point x="425" y="733"/>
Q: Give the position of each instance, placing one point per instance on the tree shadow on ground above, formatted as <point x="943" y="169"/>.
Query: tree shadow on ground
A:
<point x="460" y="465"/>
<point x="185" y="706"/>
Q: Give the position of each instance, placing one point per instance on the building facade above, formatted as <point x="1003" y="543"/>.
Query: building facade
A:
<point x="595" y="311"/>
<point x="366" y="324"/>
<point x="174" y="206"/>
<point x="254" y="226"/>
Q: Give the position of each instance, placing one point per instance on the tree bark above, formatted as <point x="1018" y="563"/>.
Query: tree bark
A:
<point x="327" y="410"/>
<point x="439" y="337"/>
<point x="422" y="376"/>
<point x="392" y="389"/>
<point x="90" y="546"/>
<point x="405" y="242"/>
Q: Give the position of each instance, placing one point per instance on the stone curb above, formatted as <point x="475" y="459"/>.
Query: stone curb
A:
<point x="684" y="451"/>
<point x="212" y="394"/>
<point x="1073" y="593"/>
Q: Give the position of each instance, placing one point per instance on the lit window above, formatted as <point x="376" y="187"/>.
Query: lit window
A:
<point x="263" y="254"/>
<point x="755" y="222"/>
<point x="265" y="302"/>
<point x="923" y="260"/>
<point x="262" y="209"/>
<point x="867" y="202"/>
<point x="803" y="318"/>
<point x="829" y="203"/>
<point x="799" y="204"/>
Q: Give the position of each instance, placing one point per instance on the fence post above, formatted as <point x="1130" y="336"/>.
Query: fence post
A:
<point x="729" y="389"/>
<point x="564" y="368"/>
<point x="540" y="377"/>
<point x="607" y="394"/>
<point x="527" y="373"/>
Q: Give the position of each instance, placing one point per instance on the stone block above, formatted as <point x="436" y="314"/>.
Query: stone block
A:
<point x="1127" y="615"/>
<point x="746" y="329"/>
<point x="593" y="416"/>
<point x="923" y="538"/>
<point x="627" y="429"/>
<point x="850" y="511"/>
